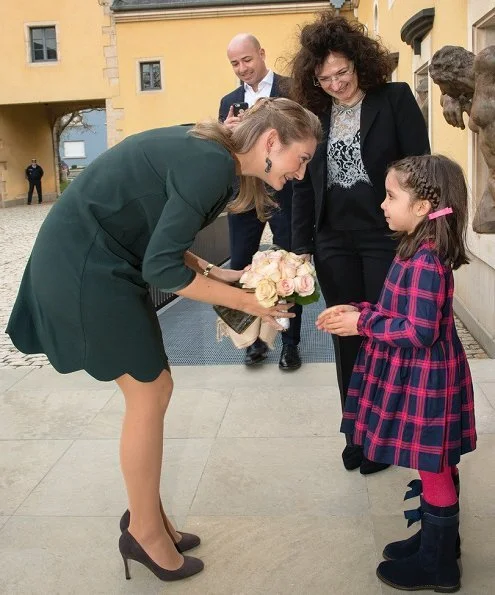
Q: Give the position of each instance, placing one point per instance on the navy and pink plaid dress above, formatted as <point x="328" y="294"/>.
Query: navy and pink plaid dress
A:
<point x="410" y="400"/>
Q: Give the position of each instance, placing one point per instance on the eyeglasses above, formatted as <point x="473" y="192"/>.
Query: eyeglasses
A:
<point x="343" y="75"/>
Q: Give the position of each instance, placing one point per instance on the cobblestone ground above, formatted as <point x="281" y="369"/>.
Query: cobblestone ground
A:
<point x="18" y="229"/>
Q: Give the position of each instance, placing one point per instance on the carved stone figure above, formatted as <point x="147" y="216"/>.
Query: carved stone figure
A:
<point x="467" y="83"/>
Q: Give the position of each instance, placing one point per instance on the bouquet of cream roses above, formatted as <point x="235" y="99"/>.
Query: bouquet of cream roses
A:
<point x="277" y="275"/>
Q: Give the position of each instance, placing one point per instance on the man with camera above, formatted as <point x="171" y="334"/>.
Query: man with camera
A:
<point x="247" y="58"/>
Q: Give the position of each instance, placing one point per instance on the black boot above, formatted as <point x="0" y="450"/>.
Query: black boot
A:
<point x="352" y="456"/>
<point x="256" y="353"/>
<point x="434" y="565"/>
<point x="407" y="547"/>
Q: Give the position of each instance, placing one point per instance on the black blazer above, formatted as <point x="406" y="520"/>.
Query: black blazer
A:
<point x="392" y="127"/>
<point x="237" y="96"/>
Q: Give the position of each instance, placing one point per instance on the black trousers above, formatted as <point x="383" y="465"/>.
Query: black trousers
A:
<point x="32" y="185"/>
<point x="245" y="235"/>
<point x="351" y="267"/>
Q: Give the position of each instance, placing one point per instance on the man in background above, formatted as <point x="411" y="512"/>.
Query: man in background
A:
<point x="247" y="58"/>
<point x="34" y="173"/>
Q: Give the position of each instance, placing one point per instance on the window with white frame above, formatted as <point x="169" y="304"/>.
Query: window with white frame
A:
<point x="43" y="42"/>
<point x="74" y="149"/>
<point x="150" y="76"/>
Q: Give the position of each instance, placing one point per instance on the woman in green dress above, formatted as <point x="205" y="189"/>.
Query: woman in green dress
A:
<point x="127" y="222"/>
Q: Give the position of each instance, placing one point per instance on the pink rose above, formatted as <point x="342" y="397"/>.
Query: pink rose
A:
<point x="285" y="287"/>
<point x="304" y="285"/>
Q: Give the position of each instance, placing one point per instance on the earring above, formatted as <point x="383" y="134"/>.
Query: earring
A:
<point x="268" y="165"/>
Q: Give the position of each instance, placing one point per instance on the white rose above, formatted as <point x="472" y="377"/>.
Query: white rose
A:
<point x="269" y="270"/>
<point x="250" y="279"/>
<point x="293" y="260"/>
<point x="305" y="269"/>
<point x="266" y="293"/>
<point x="287" y="270"/>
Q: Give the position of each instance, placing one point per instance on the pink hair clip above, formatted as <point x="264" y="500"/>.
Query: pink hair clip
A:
<point x="440" y="213"/>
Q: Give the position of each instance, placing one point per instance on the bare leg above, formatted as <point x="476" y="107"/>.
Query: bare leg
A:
<point x="176" y="537"/>
<point x="141" y="451"/>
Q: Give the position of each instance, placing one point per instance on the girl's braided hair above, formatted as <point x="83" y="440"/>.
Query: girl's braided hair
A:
<point x="440" y="181"/>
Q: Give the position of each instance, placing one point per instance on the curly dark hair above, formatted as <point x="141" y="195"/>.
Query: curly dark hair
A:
<point x="336" y="34"/>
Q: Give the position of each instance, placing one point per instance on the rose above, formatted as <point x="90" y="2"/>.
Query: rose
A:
<point x="285" y="287"/>
<point x="305" y="269"/>
<point x="304" y="285"/>
<point x="292" y="259"/>
<point x="269" y="270"/>
<point x="250" y="279"/>
<point x="277" y="255"/>
<point x="288" y="271"/>
<point x="261" y="256"/>
<point x="266" y="293"/>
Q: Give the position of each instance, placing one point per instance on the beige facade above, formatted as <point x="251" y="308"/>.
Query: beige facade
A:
<point x="471" y="24"/>
<point x="99" y="58"/>
<point x="99" y="53"/>
<point x="34" y="93"/>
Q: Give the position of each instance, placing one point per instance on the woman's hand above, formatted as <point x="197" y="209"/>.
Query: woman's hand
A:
<point x="343" y="323"/>
<point x="227" y="275"/>
<point x="252" y="306"/>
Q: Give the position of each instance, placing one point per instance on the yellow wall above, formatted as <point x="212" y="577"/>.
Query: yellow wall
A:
<point x="196" y="72"/>
<point x="25" y="122"/>
<point x="78" y="74"/>
<point x="449" y="28"/>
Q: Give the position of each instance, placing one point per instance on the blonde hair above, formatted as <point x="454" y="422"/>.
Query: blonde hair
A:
<point x="292" y="123"/>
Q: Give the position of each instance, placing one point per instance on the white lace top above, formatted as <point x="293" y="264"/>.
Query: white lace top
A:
<point x="344" y="162"/>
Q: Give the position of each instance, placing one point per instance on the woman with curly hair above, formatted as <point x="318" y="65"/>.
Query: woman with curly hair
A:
<point x="341" y="75"/>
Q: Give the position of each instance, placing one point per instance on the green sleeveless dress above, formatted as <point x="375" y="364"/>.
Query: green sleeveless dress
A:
<point x="122" y="225"/>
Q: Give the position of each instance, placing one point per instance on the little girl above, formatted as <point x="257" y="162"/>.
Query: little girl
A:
<point x="410" y="399"/>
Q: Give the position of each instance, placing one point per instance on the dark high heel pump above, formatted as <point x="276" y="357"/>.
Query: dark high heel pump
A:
<point x="131" y="550"/>
<point x="187" y="542"/>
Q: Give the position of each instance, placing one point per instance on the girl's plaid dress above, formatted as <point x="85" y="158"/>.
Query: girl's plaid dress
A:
<point x="410" y="400"/>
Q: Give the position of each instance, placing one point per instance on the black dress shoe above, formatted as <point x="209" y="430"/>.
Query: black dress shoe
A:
<point x="256" y="353"/>
<point x="352" y="456"/>
<point x="368" y="467"/>
<point x="289" y="358"/>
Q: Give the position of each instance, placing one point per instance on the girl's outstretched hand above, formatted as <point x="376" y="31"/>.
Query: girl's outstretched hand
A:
<point x="330" y="313"/>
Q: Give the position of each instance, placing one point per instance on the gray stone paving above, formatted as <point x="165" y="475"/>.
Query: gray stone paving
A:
<point x="18" y="229"/>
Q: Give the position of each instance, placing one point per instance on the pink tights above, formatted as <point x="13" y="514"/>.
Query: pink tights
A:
<point x="438" y="488"/>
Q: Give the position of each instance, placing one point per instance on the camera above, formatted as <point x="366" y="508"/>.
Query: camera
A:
<point x="240" y="106"/>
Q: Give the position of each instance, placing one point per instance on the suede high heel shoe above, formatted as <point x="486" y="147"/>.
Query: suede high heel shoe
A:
<point x="187" y="542"/>
<point x="131" y="550"/>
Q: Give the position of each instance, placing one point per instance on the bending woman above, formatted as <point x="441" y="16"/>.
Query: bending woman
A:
<point x="127" y="222"/>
